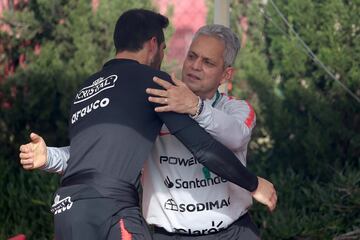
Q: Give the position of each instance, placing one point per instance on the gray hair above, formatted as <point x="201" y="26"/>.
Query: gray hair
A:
<point x="231" y="41"/>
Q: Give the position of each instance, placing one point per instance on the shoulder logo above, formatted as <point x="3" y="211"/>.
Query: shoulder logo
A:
<point x="96" y="87"/>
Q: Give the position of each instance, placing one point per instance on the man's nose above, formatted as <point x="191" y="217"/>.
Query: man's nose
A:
<point x="197" y="64"/>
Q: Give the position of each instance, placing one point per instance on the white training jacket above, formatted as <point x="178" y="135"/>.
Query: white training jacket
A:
<point x="181" y="195"/>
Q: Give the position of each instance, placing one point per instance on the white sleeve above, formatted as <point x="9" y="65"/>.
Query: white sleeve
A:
<point x="232" y="125"/>
<point x="57" y="159"/>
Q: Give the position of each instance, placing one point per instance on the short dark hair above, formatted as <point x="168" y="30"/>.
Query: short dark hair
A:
<point x="136" y="26"/>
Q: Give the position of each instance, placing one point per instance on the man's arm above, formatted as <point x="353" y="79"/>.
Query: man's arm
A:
<point x="57" y="159"/>
<point x="36" y="155"/>
<point x="220" y="160"/>
<point x="208" y="151"/>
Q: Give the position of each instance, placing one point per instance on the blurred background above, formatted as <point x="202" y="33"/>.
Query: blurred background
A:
<point x="299" y="67"/>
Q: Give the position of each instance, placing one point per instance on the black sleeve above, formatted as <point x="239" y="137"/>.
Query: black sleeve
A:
<point x="209" y="152"/>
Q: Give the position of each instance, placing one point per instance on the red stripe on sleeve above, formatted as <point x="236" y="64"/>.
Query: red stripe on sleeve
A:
<point x="164" y="133"/>
<point x="251" y="117"/>
<point x="125" y="235"/>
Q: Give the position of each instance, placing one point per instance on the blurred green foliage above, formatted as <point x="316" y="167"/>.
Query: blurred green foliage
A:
<point x="307" y="139"/>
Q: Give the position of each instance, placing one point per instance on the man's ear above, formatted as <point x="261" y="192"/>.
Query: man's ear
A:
<point x="153" y="45"/>
<point x="227" y="75"/>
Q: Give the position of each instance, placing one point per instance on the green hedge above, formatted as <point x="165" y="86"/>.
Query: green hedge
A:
<point x="25" y="201"/>
<point x="309" y="209"/>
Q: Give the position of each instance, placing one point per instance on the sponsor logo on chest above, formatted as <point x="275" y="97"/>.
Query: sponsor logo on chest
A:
<point x="192" y="184"/>
<point x="171" y="205"/>
<point x="186" y="162"/>
<point x="216" y="226"/>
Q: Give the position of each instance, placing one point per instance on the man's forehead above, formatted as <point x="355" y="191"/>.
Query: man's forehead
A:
<point x="207" y="47"/>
